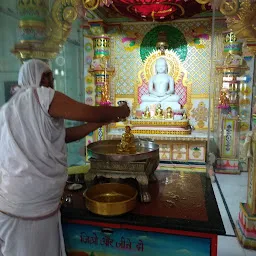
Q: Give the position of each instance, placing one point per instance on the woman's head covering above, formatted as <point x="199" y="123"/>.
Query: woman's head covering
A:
<point x="30" y="73"/>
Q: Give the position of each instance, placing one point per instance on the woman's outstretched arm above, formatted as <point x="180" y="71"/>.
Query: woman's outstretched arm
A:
<point x="64" y="107"/>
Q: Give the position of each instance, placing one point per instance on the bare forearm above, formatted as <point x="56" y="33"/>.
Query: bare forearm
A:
<point x="79" y="132"/>
<point x="67" y="108"/>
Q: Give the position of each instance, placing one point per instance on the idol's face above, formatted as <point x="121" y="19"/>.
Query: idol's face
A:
<point x="127" y="129"/>
<point x="161" y="67"/>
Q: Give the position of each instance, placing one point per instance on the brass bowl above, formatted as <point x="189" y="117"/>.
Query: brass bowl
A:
<point x="110" y="199"/>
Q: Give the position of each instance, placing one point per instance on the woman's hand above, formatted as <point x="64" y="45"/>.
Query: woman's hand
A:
<point x="124" y="111"/>
<point x="64" y="107"/>
<point x="98" y="125"/>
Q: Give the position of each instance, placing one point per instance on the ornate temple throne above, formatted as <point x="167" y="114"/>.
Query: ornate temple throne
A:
<point x="179" y="146"/>
<point x="177" y="121"/>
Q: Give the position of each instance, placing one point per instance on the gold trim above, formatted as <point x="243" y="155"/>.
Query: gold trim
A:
<point x="27" y="54"/>
<point x="166" y="138"/>
<point x="31" y="23"/>
<point x="190" y="142"/>
<point x="229" y="8"/>
<point x="184" y="168"/>
<point x="181" y="8"/>
<point x="159" y="123"/>
<point x="30" y="41"/>
<point x="58" y="25"/>
<point x="136" y="90"/>
<point x="203" y="2"/>
<point x="245" y="241"/>
<point x="91" y="4"/>
<point x="131" y="96"/>
<point x="70" y="14"/>
<point x="187" y="132"/>
<point x="231" y="68"/>
<point x="198" y="169"/>
<point x="117" y="10"/>
<point x="243" y="22"/>
<point x="63" y="14"/>
<point x="246" y="214"/>
<point x="128" y="23"/>
<point x="202" y="129"/>
<point x="187" y="151"/>
<point x="101" y="71"/>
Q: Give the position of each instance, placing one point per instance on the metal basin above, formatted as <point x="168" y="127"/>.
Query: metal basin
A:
<point x="110" y="199"/>
<point x="107" y="150"/>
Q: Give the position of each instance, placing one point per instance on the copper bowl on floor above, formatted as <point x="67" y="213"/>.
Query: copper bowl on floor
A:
<point x="110" y="199"/>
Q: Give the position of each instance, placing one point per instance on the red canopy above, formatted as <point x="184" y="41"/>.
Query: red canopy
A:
<point x="160" y="10"/>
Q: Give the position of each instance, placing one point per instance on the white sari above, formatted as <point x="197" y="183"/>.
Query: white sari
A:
<point x="32" y="169"/>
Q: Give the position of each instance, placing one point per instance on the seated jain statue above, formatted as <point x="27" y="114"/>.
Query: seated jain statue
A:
<point x="161" y="89"/>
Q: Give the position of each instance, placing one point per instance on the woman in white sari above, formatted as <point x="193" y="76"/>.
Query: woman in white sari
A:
<point x="33" y="160"/>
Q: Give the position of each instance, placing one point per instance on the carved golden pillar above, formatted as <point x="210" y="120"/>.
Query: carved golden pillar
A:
<point x="229" y="121"/>
<point x="246" y="224"/>
<point x="241" y="19"/>
<point x="44" y="31"/>
<point x="32" y="29"/>
<point x="101" y="69"/>
<point x="100" y="66"/>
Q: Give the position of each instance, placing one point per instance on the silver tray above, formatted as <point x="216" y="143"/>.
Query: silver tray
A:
<point x="107" y="150"/>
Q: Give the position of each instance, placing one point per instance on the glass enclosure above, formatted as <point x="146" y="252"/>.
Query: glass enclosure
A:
<point x="9" y="65"/>
<point x="67" y="67"/>
<point x="68" y="74"/>
<point x="231" y="97"/>
<point x="226" y="97"/>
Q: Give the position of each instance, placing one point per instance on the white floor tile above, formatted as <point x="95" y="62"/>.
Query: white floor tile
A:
<point x="240" y="179"/>
<point x="234" y="189"/>
<point x="250" y="252"/>
<point x="229" y="246"/>
<point x="223" y="212"/>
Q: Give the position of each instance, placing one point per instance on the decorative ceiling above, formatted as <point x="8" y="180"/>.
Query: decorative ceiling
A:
<point x="151" y="10"/>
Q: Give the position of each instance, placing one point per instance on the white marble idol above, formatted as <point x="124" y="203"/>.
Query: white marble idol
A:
<point x="161" y="89"/>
